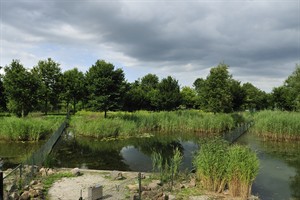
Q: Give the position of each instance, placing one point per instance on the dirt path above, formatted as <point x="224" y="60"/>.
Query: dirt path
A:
<point x="72" y="188"/>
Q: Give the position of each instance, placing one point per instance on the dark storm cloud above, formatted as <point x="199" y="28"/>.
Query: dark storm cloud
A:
<point x="256" y="38"/>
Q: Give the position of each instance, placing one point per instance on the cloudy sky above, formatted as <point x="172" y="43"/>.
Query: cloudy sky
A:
<point x="258" y="39"/>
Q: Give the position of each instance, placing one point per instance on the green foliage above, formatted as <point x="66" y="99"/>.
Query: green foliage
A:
<point x="277" y="125"/>
<point x="2" y="95"/>
<point x="73" y="87"/>
<point x="242" y="168"/>
<point x="188" y="97"/>
<point x="219" y="164"/>
<point x="20" y="89"/>
<point x="50" y="80"/>
<point x="168" y="168"/>
<point x="105" y="86"/>
<point x="255" y="98"/>
<point x="124" y="124"/>
<point x="169" y="94"/>
<point x="27" y="129"/>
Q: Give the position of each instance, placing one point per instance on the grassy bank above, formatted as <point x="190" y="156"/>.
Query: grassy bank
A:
<point x="277" y="125"/>
<point x="29" y="128"/>
<point x="127" y="124"/>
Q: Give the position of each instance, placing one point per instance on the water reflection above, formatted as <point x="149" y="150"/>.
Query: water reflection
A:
<point x="127" y="154"/>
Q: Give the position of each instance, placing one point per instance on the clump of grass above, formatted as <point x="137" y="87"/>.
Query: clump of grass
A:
<point x="211" y="162"/>
<point x="277" y="125"/>
<point x="27" y="129"/>
<point x="241" y="170"/>
<point x="219" y="165"/>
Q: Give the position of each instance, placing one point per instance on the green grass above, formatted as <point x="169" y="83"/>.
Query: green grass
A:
<point x="29" y="128"/>
<point x="219" y="165"/>
<point x="277" y="125"/>
<point x="93" y="124"/>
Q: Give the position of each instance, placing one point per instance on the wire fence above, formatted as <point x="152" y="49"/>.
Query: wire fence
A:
<point x="21" y="175"/>
<point x="233" y="135"/>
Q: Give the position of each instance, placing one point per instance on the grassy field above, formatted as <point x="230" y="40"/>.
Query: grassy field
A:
<point x="93" y="124"/>
<point x="277" y="125"/>
<point x="31" y="128"/>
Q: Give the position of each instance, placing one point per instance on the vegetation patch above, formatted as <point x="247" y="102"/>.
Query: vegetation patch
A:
<point x="277" y="125"/>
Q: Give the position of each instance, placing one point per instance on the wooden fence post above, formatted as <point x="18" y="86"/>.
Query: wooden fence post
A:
<point x="1" y="185"/>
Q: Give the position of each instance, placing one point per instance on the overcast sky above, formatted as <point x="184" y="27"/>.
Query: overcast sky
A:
<point x="259" y="40"/>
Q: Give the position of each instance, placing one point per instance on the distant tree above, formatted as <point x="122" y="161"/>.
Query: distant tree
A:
<point x="238" y="94"/>
<point x="149" y="86"/>
<point x="188" y="97"/>
<point x="73" y="87"/>
<point x="2" y="95"/>
<point x="134" y="98"/>
<point x="50" y="77"/>
<point x="169" y="94"/>
<point x="20" y="88"/>
<point x="105" y="86"/>
<point x="280" y="98"/>
<point x="293" y="87"/>
<point x="201" y="91"/>
<point x="217" y="88"/>
<point x="255" y="98"/>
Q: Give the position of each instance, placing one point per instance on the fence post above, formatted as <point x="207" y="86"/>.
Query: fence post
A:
<point x="1" y="185"/>
<point x="140" y="185"/>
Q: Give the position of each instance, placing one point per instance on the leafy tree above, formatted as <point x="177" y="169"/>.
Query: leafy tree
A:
<point x="2" y="95"/>
<point x="238" y="94"/>
<point x="105" y="86"/>
<point x="50" y="77"/>
<point x="280" y="98"/>
<point x="149" y="86"/>
<point x="169" y="94"/>
<point x="21" y="88"/>
<point x="73" y="86"/>
<point x="255" y="98"/>
<point x="134" y="97"/>
<point x="200" y="88"/>
<point x="293" y="86"/>
<point x="188" y="97"/>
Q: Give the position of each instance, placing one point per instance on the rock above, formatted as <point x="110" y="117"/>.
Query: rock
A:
<point x="116" y="175"/>
<point x="51" y="171"/>
<point x="154" y="184"/>
<point x="133" y="187"/>
<point x="11" y="188"/>
<point x="25" y="196"/>
<point x="172" y="197"/>
<point x="33" y="193"/>
<point x="38" y="186"/>
<point x="14" y="196"/>
<point x="26" y="188"/>
<point x="76" y="171"/>
<point x="159" y="195"/>
<point x="202" y="197"/>
<point x="33" y="182"/>
<point x="192" y="182"/>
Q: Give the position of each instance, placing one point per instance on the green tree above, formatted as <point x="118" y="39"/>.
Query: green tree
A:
<point x="218" y="94"/>
<point x="238" y="94"/>
<point x="200" y="88"/>
<point x="169" y="94"/>
<point x="293" y="86"/>
<point x="73" y="87"/>
<point x="2" y="95"/>
<point x="50" y="77"/>
<point x="255" y="98"/>
<point x="134" y="97"/>
<point x="105" y="86"/>
<point x="280" y="98"/>
<point x="20" y="88"/>
<point x="188" y="97"/>
<point x="149" y="86"/>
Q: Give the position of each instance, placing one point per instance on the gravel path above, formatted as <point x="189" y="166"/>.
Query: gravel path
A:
<point x="71" y="188"/>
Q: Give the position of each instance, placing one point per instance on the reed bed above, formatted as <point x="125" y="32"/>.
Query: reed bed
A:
<point x="219" y="165"/>
<point x="124" y="123"/>
<point x="28" y="129"/>
<point x="277" y="125"/>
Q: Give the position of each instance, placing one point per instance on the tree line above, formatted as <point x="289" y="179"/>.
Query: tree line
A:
<point x="103" y="87"/>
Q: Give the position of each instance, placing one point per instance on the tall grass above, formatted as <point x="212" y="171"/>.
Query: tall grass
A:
<point x="219" y="165"/>
<point x="28" y="129"/>
<point x="277" y="125"/>
<point x="123" y="123"/>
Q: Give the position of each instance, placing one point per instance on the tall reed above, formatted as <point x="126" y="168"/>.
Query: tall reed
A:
<point x="27" y="129"/>
<point x="277" y="125"/>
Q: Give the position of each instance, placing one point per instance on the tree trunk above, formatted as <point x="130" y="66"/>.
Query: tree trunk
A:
<point x="105" y="113"/>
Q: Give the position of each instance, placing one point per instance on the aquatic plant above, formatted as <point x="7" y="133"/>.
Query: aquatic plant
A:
<point x="277" y="125"/>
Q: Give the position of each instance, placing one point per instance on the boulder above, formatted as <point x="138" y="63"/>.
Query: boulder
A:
<point x="154" y="184"/>
<point x="116" y="175"/>
<point x="76" y="172"/>
<point x="25" y="196"/>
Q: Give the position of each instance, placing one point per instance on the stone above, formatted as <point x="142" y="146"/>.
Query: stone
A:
<point x="133" y="187"/>
<point x="192" y="182"/>
<point x="76" y="171"/>
<point x="25" y="196"/>
<point x="116" y="175"/>
<point x="33" y="182"/>
<point x="26" y="188"/>
<point x="154" y="184"/>
<point x="11" y="188"/>
<point x="33" y="193"/>
<point x="172" y="197"/>
<point x="14" y="196"/>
